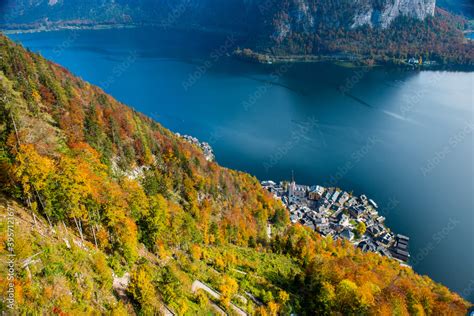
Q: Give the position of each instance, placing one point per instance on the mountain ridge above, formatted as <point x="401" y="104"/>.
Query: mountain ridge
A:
<point x="18" y="12"/>
<point x="371" y="31"/>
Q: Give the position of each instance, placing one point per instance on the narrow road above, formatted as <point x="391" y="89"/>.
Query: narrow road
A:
<point x="198" y="285"/>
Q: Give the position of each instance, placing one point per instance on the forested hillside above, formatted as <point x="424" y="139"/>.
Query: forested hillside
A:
<point x="114" y="214"/>
<point x="463" y="7"/>
<point x="437" y="38"/>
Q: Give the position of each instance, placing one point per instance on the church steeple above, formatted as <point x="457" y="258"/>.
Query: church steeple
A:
<point x="292" y="188"/>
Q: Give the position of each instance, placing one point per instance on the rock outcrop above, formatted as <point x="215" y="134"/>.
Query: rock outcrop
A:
<point x="383" y="15"/>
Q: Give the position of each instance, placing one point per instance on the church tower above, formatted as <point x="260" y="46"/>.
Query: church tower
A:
<point x="292" y="188"/>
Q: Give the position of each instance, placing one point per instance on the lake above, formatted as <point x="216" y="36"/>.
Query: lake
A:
<point x="404" y="138"/>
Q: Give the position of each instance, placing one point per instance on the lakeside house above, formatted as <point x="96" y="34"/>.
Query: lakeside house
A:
<point x="413" y="61"/>
<point x="400" y="249"/>
<point x="347" y="234"/>
<point x="344" y="198"/>
<point x="335" y="196"/>
<point x="316" y="192"/>
<point x="367" y="245"/>
<point x="420" y="62"/>
<point x="357" y="211"/>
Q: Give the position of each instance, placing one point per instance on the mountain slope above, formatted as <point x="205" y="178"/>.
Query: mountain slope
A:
<point x="209" y="13"/>
<point x="437" y="38"/>
<point x="379" y="13"/>
<point x="96" y="187"/>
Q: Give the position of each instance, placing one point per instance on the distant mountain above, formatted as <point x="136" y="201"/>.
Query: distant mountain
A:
<point x="297" y="14"/>
<point x="215" y="13"/>
<point x="381" y="30"/>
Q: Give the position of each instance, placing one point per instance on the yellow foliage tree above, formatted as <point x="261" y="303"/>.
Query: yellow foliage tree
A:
<point x="32" y="170"/>
<point x="228" y="289"/>
<point x="142" y="290"/>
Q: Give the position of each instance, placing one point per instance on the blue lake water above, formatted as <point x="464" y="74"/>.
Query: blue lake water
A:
<point x="404" y="138"/>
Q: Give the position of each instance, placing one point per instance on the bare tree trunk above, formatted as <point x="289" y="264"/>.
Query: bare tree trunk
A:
<point x="29" y="260"/>
<point x="28" y="202"/>
<point x="80" y="225"/>
<point x="97" y="219"/>
<point x="95" y="239"/>
<point x="44" y="208"/>
<point x="16" y="129"/>
<point x="28" y="271"/>
<point x="34" y="218"/>
<point x="79" y="229"/>
<point x="65" y="229"/>
<point x="66" y="239"/>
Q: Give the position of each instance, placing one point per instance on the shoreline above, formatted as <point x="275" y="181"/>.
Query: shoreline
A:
<point x="341" y="59"/>
<point x="69" y="27"/>
<point x="110" y="26"/>
<point x="346" y="60"/>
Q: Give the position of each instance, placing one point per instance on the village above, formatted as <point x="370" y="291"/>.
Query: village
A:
<point x="340" y="215"/>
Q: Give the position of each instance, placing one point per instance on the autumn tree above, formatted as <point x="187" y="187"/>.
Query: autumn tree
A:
<point x="34" y="173"/>
<point x="360" y="229"/>
<point x="142" y="290"/>
<point x="228" y="288"/>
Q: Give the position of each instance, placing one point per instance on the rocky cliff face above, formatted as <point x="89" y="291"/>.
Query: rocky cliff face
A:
<point x="288" y="15"/>
<point x="377" y="15"/>
<point x="306" y="17"/>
